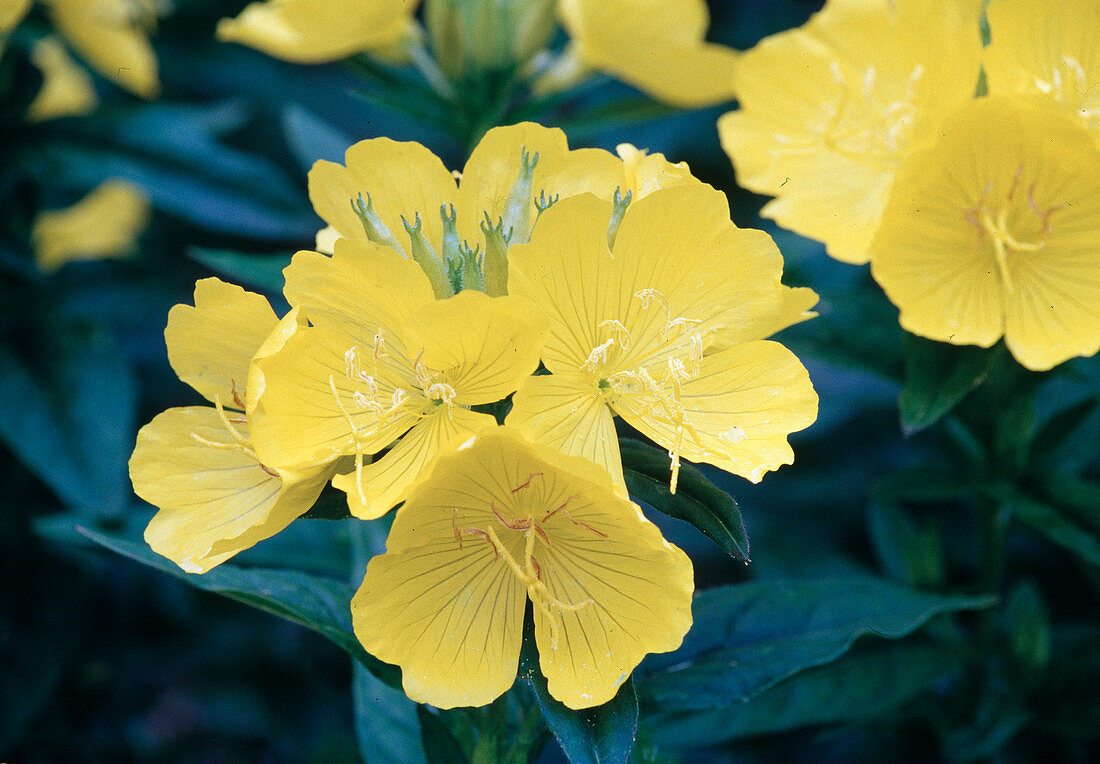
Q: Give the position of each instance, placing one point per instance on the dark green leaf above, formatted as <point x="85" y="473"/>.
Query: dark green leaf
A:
<point x="926" y="484"/>
<point x="582" y="124"/>
<point x="173" y="154"/>
<point x="748" y="637"/>
<point x="311" y="138"/>
<point x="1028" y="626"/>
<point x="909" y="553"/>
<point x="316" y="602"/>
<point x="1057" y="431"/>
<point x="72" y="424"/>
<point x="697" y="500"/>
<point x="386" y="722"/>
<point x="599" y="735"/>
<point x="1056" y="525"/>
<point x="263" y="272"/>
<point x="871" y="682"/>
<point x="937" y="377"/>
<point x="440" y="746"/>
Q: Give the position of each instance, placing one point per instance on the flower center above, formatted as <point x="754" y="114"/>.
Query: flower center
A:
<point x="1002" y="225"/>
<point x="863" y="124"/>
<point x="658" y="380"/>
<point x="530" y="572"/>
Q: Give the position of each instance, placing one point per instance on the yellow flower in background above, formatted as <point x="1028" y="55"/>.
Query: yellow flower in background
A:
<point x="317" y="31"/>
<point x="196" y="464"/>
<point x="992" y="231"/>
<point x="636" y="327"/>
<point x="501" y="521"/>
<point x="829" y="110"/>
<point x="658" y="46"/>
<point x="104" y="224"/>
<point x="11" y="13"/>
<point x="384" y="360"/>
<point x="67" y="88"/>
<point x="113" y="36"/>
<point x="1047" y="49"/>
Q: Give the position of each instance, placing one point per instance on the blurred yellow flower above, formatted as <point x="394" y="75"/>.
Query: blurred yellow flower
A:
<point x="663" y="327"/>
<point x="658" y="46"/>
<point x="113" y="36"/>
<point x="1047" y="49"/>
<point x="830" y="109"/>
<point x="384" y="360"/>
<point x="196" y="464"/>
<point x="67" y="88"/>
<point x="104" y="224"/>
<point x="501" y="521"/>
<point x="992" y="231"/>
<point x="317" y="31"/>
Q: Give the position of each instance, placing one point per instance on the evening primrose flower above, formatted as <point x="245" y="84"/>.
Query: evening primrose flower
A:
<point x="662" y="326"/>
<point x="384" y="360"/>
<point x="501" y="521"/>
<point x="658" y="46"/>
<point x="1047" y="49"/>
<point x="104" y="224"/>
<point x="991" y="232"/>
<point x="318" y="31"/>
<point x="401" y="195"/>
<point x="197" y="464"/>
<point x="829" y="110"/>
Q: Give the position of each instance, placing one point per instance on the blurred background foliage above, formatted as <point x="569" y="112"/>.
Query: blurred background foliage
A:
<point x="925" y="580"/>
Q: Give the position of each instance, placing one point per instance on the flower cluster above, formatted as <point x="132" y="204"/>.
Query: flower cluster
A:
<point x="975" y="201"/>
<point x="621" y="276"/>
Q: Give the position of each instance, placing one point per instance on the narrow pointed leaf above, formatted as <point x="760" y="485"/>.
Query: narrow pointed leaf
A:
<point x="697" y="501"/>
<point x="748" y="637"/>
<point x="937" y="377"/>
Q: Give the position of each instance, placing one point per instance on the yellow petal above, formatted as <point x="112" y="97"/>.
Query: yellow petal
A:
<point x="795" y="307"/>
<point x="67" y="88"/>
<point x="830" y="109"/>
<point x="211" y="344"/>
<point x="992" y="230"/>
<point x="316" y="31"/>
<point x="104" y="224"/>
<point x="287" y="327"/>
<point x="485" y="346"/>
<point x="381" y="485"/>
<point x="646" y="172"/>
<point x="1047" y="49"/>
<point x="402" y="180"/>
<point x="362" y="287"/>
<point x="655" y="45"/>
<point x="111" y="37"/>
<point x="323" y="399"/>
<point x="11" y="13"/>
<point x="213" y="501"/>
<point x="567" y="412"/>
<point x="676" y="252"/>
<point x="445" y="602"/>
<point x="739" y="409"/>
<point x="495" y="165"/>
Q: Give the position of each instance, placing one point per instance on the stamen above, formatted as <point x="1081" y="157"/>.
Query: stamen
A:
<point x="527" y="482"/>
<point x="597" y="357"/>
<point x="619" y="333"/>
<point x="236" y="396"/>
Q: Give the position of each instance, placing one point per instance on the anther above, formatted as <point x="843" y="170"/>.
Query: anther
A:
<point x="527" y="482"/>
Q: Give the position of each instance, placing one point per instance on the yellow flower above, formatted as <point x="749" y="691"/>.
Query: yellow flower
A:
<point x="317" y="31"/>
<point x="992" y="231"/>
<point x="11" y="13"/>
<point x="196" y="463"/>
<point x="498" y="522"/>
<point x="112" y="35"/>
<point x="657" y="46"/>
<point x="662" y="328"/>
<point x="830" y="109"/>
<point x="67" y="88"/>
<point x="104" y="224"/>
<point x="401" y="195"/>
<point x="1047" y="49"/>
<point x="384" y="360"/>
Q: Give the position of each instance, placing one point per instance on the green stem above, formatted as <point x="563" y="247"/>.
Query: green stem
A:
<point x="993" y="521"/>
